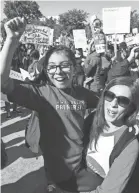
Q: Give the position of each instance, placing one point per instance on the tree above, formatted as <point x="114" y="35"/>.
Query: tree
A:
<point x="50" y="22"/>
<point x="73" y="19"/>
<point x="57" y="31"/>
<point x="88" y="31"/>
<point x="28" y="9"/>
<point x="134" y="19"/>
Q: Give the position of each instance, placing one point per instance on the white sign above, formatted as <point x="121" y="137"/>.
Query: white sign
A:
<point x="80" y="39"/>
<point x="100" y="48"/>
<point x="132" y="40"/>
<point x="116" y="20"/>
<point x="25" y="74"/>
<point x="15" y="75"/>
<point x="119" y="38"/>
<point x="137" y="39"/>
<point x="129" y="40"/>
<point x="37" y="35"/>
<point x="51" y="37"/>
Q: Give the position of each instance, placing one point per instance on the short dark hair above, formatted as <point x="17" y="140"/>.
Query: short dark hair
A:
<point x="123" y="45"/>
<point x="35" y="54"/>
<point x="110" y="47"/>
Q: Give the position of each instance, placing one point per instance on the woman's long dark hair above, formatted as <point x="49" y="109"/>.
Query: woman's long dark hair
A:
<point x="130" y="117"/>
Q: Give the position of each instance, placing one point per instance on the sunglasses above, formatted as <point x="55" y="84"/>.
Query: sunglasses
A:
<point x="122" y="100"/>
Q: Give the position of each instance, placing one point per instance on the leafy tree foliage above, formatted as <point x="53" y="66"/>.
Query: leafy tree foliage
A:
<point x="134" y="19"/>
<point x="28" y="9"/>
<point x="2" y="30"/>
<point x="57" y="31"/>
<point x="50" y="22"/>
<point x="73" y="19"/>
<point x="88" y="31"/>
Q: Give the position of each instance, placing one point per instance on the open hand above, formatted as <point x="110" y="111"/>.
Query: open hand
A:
<point x="132" y="53"/>
<point x="15" y="27"/>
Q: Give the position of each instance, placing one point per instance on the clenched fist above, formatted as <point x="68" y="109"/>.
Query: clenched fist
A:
<point x="15" y="27"/>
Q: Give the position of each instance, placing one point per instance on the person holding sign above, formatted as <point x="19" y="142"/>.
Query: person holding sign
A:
<point x="97" y="66"/>
<point x="121" y="65"/>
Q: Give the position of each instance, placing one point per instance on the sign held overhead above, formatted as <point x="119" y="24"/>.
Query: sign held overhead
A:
<point x="80" y="39"/>
<point x="37" y="35"/>
<point x="116" y="20"/>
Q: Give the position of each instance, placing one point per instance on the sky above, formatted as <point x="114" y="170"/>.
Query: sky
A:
<point x="54" y="8"/>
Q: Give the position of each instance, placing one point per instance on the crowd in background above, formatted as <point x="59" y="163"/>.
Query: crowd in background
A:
<point x="93" y="70"/>
<point x="108" y="74"/>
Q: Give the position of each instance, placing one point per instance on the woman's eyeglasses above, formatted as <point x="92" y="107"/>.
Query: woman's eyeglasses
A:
<point x="122" y="100"/>
<point x="64" y="67"/>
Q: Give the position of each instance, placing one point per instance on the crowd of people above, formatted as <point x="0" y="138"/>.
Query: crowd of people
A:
<point x="84" y="111"/>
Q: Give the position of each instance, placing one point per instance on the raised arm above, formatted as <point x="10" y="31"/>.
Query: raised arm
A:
<point x="132" y="54"/>
<point x="14" y="29"/>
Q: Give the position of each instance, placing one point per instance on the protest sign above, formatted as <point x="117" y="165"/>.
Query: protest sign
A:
<point x="24" y="73"/>
<point x="37" y="35"/>
<point x="15" y="75"/>
<point x="51" y="36"/>
<point x="118" y="39"/>
<point x="116" y="20"/>
<point x="100" y="42"/>
<point x="80" y="39"/>
<point x="136" y="39"/>
<point x="132" y="40"/>
<point x="100" y="48"/>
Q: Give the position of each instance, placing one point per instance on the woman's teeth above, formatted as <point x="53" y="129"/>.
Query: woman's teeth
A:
<point x="59" y="79"/>
<point x="111" y="112"/>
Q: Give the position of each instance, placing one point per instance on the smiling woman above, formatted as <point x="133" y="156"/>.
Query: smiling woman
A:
<point x="61" y="109"/>
<point x="116" y="103"/>
<point x="116" y="111"/>
<point x="59" y="66"/>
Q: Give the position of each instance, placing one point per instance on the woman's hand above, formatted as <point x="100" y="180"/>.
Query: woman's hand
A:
<point x="132" y="54"/>
<point x="15" y="27"/>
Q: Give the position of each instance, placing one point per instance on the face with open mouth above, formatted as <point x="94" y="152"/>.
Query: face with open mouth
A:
<point x="60" y="70"/>
<point x="115" y="107"/>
